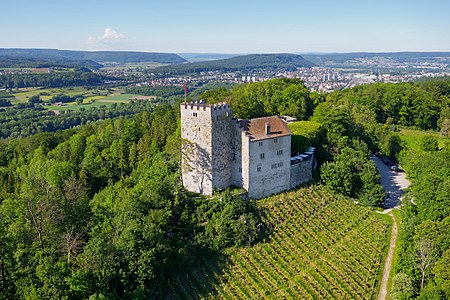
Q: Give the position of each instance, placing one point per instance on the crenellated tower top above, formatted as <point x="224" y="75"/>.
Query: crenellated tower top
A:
<point x="213" y="110"/>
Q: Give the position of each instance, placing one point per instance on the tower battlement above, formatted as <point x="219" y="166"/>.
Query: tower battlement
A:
<point x="200" y="109"/>
<point x="216" y="109"/>
<point x="202" y="104"/>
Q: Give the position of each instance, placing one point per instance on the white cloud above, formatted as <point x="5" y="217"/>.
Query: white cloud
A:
<point x="110" y="37"/>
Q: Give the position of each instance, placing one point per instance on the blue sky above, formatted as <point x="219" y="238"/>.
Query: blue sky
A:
<point x="231" y="26"/>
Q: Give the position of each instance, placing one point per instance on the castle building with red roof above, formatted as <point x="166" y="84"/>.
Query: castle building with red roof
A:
<point x="219" y="151"/>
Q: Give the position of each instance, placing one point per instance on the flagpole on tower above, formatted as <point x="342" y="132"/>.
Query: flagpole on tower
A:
<point x="185" y="92"/>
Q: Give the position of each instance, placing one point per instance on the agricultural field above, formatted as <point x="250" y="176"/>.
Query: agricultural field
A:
<point x="131" y="68"/>
<point x="413" y="138"/>
<point x="92" y="98"/>
<point x="22" y="95"/>
<point x="321" y="246"/>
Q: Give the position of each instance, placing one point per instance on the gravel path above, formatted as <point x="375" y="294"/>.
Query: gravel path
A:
<point x="394" y="185"/>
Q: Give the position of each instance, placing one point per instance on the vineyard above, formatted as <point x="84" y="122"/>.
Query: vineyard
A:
<point x="321" y="246"/>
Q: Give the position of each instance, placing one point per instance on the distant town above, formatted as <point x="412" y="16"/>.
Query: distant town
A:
<point x="320" y="72"/>
<point x="318" y="79"/>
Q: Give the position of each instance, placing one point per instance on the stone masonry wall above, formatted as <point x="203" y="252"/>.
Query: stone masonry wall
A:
<point x="207" y="147"/>
<point x="269" y="174"/>
<point x="301" y="172"/>
<point x="222" y="147"/>
<point x="238" y="139"/>
<point x="196" y="151"/>
<point x="245" y="161"/>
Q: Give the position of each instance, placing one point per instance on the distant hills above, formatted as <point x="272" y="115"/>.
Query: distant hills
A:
<point x="186" y="63"/>
<point x="33" y="62"/>
<point x="402" y="57"/>
<point x="244" y="63"/>
<point x="197" y="57"/>
<point x="85" y="58"/>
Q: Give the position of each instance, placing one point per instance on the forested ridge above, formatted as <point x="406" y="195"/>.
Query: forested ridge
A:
<point x="33" y="62"/>
<point x="97" y="56"/>
<point x="98" y="211"/>
<point x="244" y="63"/>
<point x="80" y="77"/>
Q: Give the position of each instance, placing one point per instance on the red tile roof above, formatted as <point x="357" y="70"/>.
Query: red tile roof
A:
<point x="256" y="128"/>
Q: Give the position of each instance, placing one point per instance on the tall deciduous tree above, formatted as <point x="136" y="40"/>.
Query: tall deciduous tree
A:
<point x="426" y="256"/>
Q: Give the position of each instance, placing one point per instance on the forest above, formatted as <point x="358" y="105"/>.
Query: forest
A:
<point x="80" y="77"/>
<point x="32" y="62"/>
<point x="30" y="120"/>
<point x="121" y="57"/>
<point x="424" y="255"/>
<point x="380" y="110"/>
<point x="244" y="63"/>
<point x="98" y="211"/>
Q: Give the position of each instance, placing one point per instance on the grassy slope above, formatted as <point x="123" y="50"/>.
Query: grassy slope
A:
<point x="322" y="246"/>
<point x="414" y="137"/>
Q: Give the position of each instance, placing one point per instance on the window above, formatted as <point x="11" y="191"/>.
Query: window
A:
<point x="261" y="155"/>
<point x="280" y="164"/>
<point x="258" y="169"/>
<point x="273" y="166"/>
<point x="279" y="152"/>
<point x="240" y="169"/>
<point x="194" y="114"/>
<point x="260" y="144"/>
<point x="275" y="140"/>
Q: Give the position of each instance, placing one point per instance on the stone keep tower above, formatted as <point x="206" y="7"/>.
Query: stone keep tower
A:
<point x="207" y="133"/>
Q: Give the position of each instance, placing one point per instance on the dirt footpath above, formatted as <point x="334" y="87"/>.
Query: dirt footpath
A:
<point x="388" y="262"/>
<point x="394" y="184"/>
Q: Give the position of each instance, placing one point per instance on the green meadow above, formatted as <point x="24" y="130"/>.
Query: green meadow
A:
<point x="92" y="97"/>
<point x="412" y="137"/>
<point x="22" y="95"/>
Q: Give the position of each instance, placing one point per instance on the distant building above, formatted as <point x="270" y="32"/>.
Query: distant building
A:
<point x="219" y="151"/>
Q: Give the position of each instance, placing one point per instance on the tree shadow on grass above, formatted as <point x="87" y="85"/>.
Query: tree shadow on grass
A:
<point x="201" y="280"/>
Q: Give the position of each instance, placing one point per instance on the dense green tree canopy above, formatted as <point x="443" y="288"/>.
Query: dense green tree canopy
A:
<point x="272" y="97"/>
<point x="98" y="211"/>
<point x="56" y="79"/>
<point x="420" y="105"/>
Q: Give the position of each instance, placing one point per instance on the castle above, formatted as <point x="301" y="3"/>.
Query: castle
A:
<point x="219" y="151"/>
